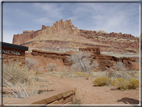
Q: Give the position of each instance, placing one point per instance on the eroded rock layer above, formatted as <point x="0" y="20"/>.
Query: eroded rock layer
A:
<point x="103" y="60"/>
<point x="65" y="34"/>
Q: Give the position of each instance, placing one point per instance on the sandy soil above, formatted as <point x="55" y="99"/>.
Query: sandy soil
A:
<point x="90" y="94"/>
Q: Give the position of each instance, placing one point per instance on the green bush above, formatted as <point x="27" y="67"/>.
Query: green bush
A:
<point x="120" y="83"/>
<point x="133" y="83"/>
<point x="101" y="81"/>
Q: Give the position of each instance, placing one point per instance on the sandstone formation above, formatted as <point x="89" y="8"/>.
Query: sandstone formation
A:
<point x="66" y="35"/>
<point x="103" y="60"/>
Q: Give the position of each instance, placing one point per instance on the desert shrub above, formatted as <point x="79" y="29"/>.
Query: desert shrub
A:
<point x="98" y="74"/>
<point x="122" y="74"/>
<point x="118" y="74"/>
<point x="17" y="78"/>
<point x="134" y="74"/>
<point x="101" y="81"/>
<point x="13" y="72"/>
<point x="133" y="83"/>
<point x="110" y="73"/>
<point x="30" y="63"/>
<point x="119" y="66"/>
<point x="81" y="61"/>
<point x="50" y="66"/>
<point x="120" y="83"/>
<point x="38" y="72"/>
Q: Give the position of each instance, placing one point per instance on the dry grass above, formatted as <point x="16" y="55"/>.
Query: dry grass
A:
<point x="127" y="74"/>
<point x="67" y="74"/>
<point x="14" y="73"/>
<point x="19" y="90"/>
<point x="17" y="79"/>
<point x="117" y="74"/>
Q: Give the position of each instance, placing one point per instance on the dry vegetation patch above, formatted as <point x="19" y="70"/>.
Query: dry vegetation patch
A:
<point x="18" y="79"/>
<point x="101" y="81"/>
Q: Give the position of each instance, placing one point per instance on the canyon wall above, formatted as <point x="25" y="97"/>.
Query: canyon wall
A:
<point x="49" y="36"/>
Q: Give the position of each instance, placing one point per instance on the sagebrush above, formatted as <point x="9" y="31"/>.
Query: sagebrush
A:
<point x="134" y="83"/>
<point x="124" y="84"/>
<point x="120" y="83"/>
<point x="101" y="81"/>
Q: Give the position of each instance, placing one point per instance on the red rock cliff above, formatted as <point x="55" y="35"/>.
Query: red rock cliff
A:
<point x="64" y="34"/>
<point x="103" y="60"/>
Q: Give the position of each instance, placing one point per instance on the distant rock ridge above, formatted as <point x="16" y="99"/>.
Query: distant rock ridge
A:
<point x="60" y="27"/>
<point x="118" y="41"/>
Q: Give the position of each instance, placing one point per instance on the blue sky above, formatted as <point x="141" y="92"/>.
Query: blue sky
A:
<point x="110" y="17"/>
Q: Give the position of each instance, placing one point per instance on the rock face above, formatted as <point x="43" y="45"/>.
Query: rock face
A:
<point x="58" y="27"/>
<point x="64" y="35"/>
<point x="103" y="60"/>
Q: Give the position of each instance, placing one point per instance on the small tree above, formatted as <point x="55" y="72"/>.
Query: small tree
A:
<point x="81" y="61"/>
<point x="119" y="73"/>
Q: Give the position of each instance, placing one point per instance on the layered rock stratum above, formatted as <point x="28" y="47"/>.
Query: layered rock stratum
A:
<point x="63" y="34"/>
<point x="104" y="61"/>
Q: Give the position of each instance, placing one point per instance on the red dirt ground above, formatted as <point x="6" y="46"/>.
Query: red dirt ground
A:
<point x="95" y="95"/>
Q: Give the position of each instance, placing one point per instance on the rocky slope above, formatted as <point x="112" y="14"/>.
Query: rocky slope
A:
<point x="66" y="35"/>
<point x="60" y="59"/>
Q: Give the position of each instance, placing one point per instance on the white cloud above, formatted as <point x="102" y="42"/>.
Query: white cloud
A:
<point x="110" y="17"/>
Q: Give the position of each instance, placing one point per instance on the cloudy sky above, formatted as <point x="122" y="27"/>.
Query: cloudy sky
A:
<point x="110" y="17"/>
